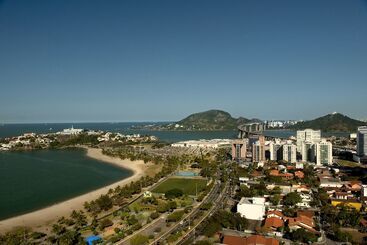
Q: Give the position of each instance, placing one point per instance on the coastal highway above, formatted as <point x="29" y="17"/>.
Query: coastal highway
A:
<point x="161" y="221"/>
<point x="217" y="202"/>
<point x="212" y="197"/>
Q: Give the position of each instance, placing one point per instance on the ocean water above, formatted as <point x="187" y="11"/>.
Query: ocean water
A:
<point x="8" y="130"/>
<point x="37" y="179"/>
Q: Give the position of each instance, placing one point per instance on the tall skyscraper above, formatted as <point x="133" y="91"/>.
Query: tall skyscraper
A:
<point x="308" y="151"/>
<point x="289" y="152"/>
<point x="362" y="141"/>
<point x="239" y="149"/>
<point x="274" y="148"/>
<point x="258" y="150"/>
<point x="307" y="135"/>
<point x="324" y="151"/>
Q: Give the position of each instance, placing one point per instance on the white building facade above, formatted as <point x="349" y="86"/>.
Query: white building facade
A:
<point x="362" y="141"/>
<point x="324" y="153"/>
<point x="289" y="152"/>
<point x="307" y="135"/>
<point x="252" y="208"/>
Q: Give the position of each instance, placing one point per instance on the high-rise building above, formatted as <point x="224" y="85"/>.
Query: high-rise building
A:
<point x="289" y="152"/>
<point x="258" y="150"/>
<point x="239" y="149"/>
<point x="309" y="135"/>
<point x="324" y="151"/>
<point x="308" y="151"/>
<point x="274" y="148"/>
<point x="362" y="141"/>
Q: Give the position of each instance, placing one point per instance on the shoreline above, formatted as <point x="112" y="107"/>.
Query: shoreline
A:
<point x="43" y="217"/>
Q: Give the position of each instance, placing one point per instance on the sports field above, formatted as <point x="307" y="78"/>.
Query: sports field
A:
<point x="187" y="185"/>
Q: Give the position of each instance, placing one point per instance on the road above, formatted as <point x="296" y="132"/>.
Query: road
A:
<point x="218" y="200"/>
<point x="212" y="196"/>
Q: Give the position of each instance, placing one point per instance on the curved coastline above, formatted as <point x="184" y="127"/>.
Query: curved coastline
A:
<point x="47" y="215"/>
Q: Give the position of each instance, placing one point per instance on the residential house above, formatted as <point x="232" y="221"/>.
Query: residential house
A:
<point x="303" y="220"/>
<point x="299" y="174"/>
<point x="251" y="240"/>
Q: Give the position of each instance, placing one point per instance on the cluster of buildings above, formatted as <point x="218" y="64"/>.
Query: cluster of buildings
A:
<point x="309" y="147"/>
<point x="26" y="140"/>
<point x="280" y="123"/>
<point x="118" y="137"/>
<point x="350" y="193"/>
<point x="270" y="218"/>
<point x="203" y="144"/>
<point x="42" y="141"/>
<point x="283" y="168"/>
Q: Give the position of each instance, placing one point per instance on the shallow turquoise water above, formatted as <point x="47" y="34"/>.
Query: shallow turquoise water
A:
<point x="33" y="180"/>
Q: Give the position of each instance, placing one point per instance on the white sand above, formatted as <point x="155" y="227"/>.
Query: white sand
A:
<point x="45" y="216"/>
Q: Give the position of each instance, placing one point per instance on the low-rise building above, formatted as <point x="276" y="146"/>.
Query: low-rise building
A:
<point x="353" y="203"/>
<point x="299" y="174"/>
<point x="251" y="240"/>
<point x="330" y="182"/>
<point x="71" y="131"/>
<point x="252" y="208"/>
<point x="204" y="144"/>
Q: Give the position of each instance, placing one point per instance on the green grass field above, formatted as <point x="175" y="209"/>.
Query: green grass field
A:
<point x="188" y="186"/>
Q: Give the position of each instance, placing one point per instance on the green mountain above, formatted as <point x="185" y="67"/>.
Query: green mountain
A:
<point x="209" y="120"/>
<point x="331" y="122"/>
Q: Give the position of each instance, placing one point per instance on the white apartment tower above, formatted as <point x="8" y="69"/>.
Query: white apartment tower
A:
<point x="324" y="151"/>
<point x="289" y="152"/>
<point x="274" y="148"/>
<point x="362" y="141"/>
<point x="258" y="150"/>
<point x="308" y="151"/>
<point x="307" y="135"/>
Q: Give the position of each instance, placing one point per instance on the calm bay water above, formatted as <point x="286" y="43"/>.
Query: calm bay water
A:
<point x="32" y="180"/>
<point x="8" y="130"/>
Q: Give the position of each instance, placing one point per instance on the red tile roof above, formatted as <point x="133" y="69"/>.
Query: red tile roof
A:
<point x="233" y="240"/>
<point x="275" y="212"/>
<point x="273" y="222"/>
<point x="251" y="240"/>
<point x="299" y="174"/>
<point x="260" y="240"/>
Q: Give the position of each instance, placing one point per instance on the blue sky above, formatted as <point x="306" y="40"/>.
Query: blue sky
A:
<point x="162" y="60"/>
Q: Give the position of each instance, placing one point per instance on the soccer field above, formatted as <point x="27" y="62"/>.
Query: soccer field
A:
<point x="187" y="185"/>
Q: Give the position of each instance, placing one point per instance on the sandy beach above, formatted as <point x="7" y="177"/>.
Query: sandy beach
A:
<point x="41" y="218"/>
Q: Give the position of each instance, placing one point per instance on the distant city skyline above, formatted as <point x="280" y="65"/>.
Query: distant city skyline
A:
<point x="131" y="61"/>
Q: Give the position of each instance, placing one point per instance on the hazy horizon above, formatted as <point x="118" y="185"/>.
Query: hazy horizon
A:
<point x="152" y="61"/>
<point x="168" y="121"/>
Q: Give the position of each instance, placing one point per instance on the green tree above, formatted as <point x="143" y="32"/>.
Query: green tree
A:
<point x="292" y="199"/>
<point x="275" y="199"/>
<point x="105" y="223"/>
<point x="104" y="202"/>
<point x="173" y="193"/>
<point x="139" y="240"/>
<point x="343" y="236"/>
<point x="302" y="235"/>
<point x="175" y="216"/>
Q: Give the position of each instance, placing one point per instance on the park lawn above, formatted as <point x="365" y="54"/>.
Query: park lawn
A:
<point x="187" y="185"/>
